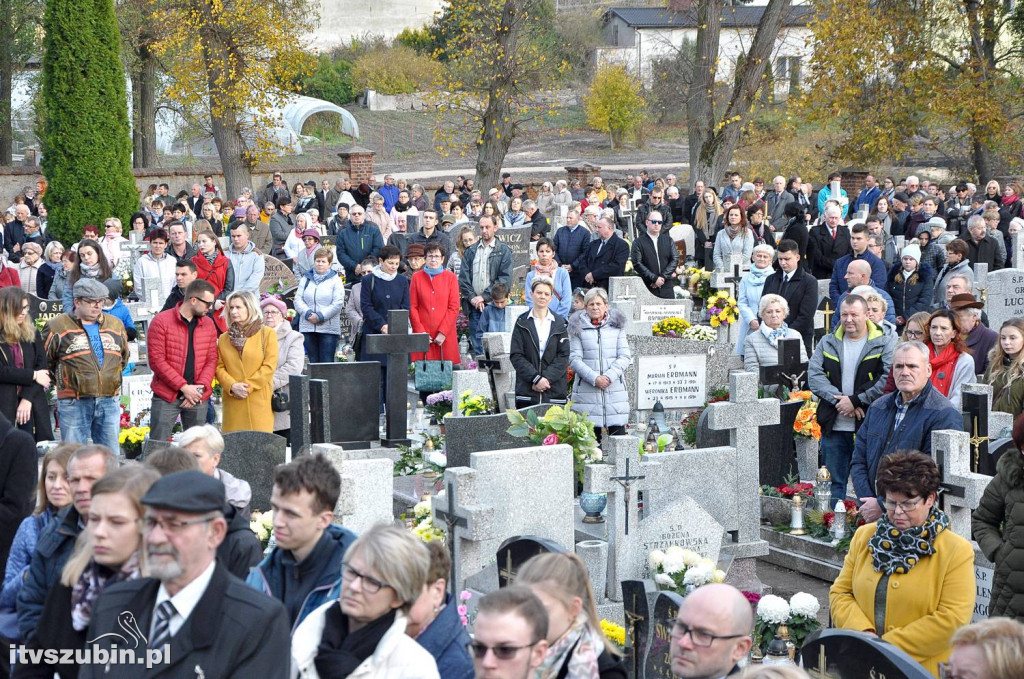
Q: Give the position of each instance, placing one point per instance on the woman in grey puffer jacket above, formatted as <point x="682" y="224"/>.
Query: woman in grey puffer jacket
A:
<point x="599" y="355"/>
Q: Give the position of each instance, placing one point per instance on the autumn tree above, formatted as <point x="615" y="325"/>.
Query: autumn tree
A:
<point x="944" y="78"/>
<point x="139" y="22"/>
<point x="614" y="103"/>
<point x="229" y="64"/>
<point x="84" y="134"/>
<point x="19" y="24"/>
<point x="497" y="63"/>
<point x="714" y="127"/>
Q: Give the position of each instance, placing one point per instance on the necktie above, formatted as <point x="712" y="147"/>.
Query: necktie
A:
<point x="162" y="631"/>
<point x="599" y="246"/>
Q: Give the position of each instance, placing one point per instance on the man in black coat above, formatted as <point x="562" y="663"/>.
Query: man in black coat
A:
<point x="654" y="256"/>
<point x="606" y="256"/>
<point x="19" y="473"/>
<point x="797" y="287"/>
<point x="206" y="621"/>
<point x="827" y="242"/>
<point x="981" y="247"/>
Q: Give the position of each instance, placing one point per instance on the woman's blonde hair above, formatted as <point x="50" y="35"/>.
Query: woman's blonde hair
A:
<point x="564" y="576"/>
<point x="251" y="305"/>
<point x="131" y="480"/>
<point x="996" y="356"/>
<point x="13" y="332"/>
<point x="1001" y="642"/>
<point x="401" y="560"/>
<point x="700" y="217"/>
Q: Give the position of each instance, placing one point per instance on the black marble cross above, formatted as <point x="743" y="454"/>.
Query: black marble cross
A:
<point x="397" y="344"/>
<point x="976" y="425"/>
<point x="490" y="366"/>
<point x="790" y="372"/>
<point x="451" y="521"/>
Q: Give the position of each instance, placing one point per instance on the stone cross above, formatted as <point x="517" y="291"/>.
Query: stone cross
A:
<point x="397" y="344"/>
<point x="136" y="246"/>
<point x="963" y="488"/>
<point x="1017" y="256"/>
<point x="722" y="279"/>
<point x="743" y="414"/>
<point x="468" y="521"/>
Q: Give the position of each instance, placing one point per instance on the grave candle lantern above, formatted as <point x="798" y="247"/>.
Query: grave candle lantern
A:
<point x="796" y="516"/>
<point x="822" y="488"/>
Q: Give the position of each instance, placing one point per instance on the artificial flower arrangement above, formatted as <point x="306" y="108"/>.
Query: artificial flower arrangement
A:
<point x="701" y="333"/>
<point x="806" y="423"/>
<point x="131" y="440"/>
<point x="412" y="461"/>
<point x="721" y="309"/>
<point x="262" y="524"/>
<point x="789" y="488"/>
<point x="698" y="282"/>
<point x="475" y="405"/>
<point x="462" y="609"/>
<point x="560" y="424"/>
<point x="423" y="525"/>
<point x="799" y="615"/>
<point x="439" y="404"/>
<point x="670" y="327"/>
<point x="462" y="325"/>
<point x="682" y="570"/>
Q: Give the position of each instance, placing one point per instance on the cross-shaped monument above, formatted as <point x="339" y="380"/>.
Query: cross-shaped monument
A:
<point x="962" y="488"/>
<point x="397" y="344"/>
<point x="462" y="521"/>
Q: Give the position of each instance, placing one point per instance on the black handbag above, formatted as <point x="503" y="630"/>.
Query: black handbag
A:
<point x="279" y="401"/>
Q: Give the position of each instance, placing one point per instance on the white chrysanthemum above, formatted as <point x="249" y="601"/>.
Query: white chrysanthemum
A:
<point x="664" y="581"/>
<point x="422" y="509"/>
<point x="697" y="576"/>
<point x="438" y="459"/>
<point x="773" y="609"/>
<point x="672" y="564"/>
<point x="675" y="552"/>
<point x="655" y="559"/>
<point x="690" y="557"/>
<point x="804" y="604"/>
<point x="718" y="576"/>
<point x="707" y="563"/>
<point x="598" y="455"/>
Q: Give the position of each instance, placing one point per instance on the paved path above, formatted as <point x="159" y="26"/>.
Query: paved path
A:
<point x="556" y="167"/>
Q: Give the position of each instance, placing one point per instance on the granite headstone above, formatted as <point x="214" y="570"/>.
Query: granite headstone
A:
<point x="277" y="273"/>
<point x="846" y="654"/>
<point x="252" y="456"/>
<point x="1005" y="296"/>
<point x="659" y="661"/>
<point x="518" y="240"/>
<point x="354" y="388"/>
<point x="467" y="435"/>
<point x="516" y="551"/>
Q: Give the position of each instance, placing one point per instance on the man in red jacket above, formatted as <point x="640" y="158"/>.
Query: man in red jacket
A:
<point x="182" y="348"/>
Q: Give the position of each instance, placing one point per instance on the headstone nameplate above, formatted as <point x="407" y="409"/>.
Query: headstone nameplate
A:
<point x="676" y="381"/>
<point x="277" y="273"/>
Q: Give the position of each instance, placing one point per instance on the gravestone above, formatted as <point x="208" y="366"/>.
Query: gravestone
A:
<point x="962" y="488"/>
<point x="367" y="485"/>
<point x="1005" y="298"/>
<point x="975" y="412"/>
<point x="518" y="240"/>
<point x="516" y="551"/>
<point x="397" y="344"/>
<point x="252" y="456"/>
<point x="659" y="661"/>
<point x="277" y="273"/>
<point x="137" y="394"/>
<point x="685" y="524"/>
<point x="848" y="655"/>
<point x="629" y="295"/>
<point x="512" y="314"/>
<point x="467" y="435"/>
<point x="651" y="383"/>
<point x="355" y="388"/>
<point x="984" y="573"/>
<point x="46" y="309"/>
<point x="637" y="614"/>
<point x="708" y="437"/>
<point x="778" y="448"/>
<point x="1017" y="254"/>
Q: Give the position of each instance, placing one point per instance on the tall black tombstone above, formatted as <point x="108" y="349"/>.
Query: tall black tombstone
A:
<point x="397" y="344"/>
<point x="638" y="624"/>
<point x="659" y="661"/>
<point x="777" y="457"/>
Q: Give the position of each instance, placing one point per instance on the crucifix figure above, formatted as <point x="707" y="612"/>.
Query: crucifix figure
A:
<point x="790" y="372"/>
<point x="976" y="425"/>
<point x="626" y="481"/>
<point x="451" y="521"/>
<point x="490" y="366"/>
<point x="828" y="311"/>
<point x="397" y="344"/>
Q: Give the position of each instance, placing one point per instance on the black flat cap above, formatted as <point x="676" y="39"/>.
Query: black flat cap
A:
<point x="189" y="491"/>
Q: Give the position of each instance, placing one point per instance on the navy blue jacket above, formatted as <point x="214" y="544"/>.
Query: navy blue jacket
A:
<point x="323" y="577"/>
<point x="877" y="437"/>
<point x="837" y="286"/>
<point x="911" y="295"/>
<point x="55" y="545"/>
<point x="376" y="299"/>
<point x="446" y="639"/>
<point x="571" y="248"/>
<point x="353" y="245"/>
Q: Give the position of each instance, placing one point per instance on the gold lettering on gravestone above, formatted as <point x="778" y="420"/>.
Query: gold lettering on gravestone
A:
<point x="661" y="644"/>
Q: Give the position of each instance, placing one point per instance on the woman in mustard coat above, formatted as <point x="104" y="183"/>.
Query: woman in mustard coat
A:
<point x="246" y="360"/>
<point x="908" y="578"/>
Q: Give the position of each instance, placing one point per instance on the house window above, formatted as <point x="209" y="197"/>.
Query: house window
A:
<point x="787" y="72"/>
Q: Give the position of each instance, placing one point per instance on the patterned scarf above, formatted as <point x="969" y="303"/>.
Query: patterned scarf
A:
<point x="90" y="271"/>
<point x="895" y="551"/>
<point x="548" y="270"/>
<point x="581" y="645"/>
<point x="211" y="257"/>
<point x="774" y="335"/>
<point x="94" y="579"/>
<point x="239" y="333"/>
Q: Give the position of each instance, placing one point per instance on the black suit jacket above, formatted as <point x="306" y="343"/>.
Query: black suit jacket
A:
<point x="196" y="204"/>
<point x="651" y="265"/>
<point x="801" y="294"/>
<point x="611" y="261"/>
<point x="823" y="250"/>
<point x="234" y="631"/>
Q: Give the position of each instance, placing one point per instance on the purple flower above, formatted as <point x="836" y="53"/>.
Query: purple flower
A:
<point x="551" y="440"/>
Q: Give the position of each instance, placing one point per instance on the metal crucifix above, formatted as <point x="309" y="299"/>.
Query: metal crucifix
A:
<point x="626" y="482"/>
<point x="451" y="522"/>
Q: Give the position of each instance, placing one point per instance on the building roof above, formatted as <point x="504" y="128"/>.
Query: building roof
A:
<point x="732" y="17"/>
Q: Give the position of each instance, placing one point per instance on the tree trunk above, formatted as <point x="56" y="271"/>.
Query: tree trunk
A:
<point x="496" y="139"/>
<point x="224" y="121"/>
<point x="144" y="110"/>
<point x="981" y="154"/>
<point x="714" y="139"/>
<point x="6" y="76"/>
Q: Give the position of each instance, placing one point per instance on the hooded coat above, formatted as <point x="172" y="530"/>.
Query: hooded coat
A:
<point x="998" y="526"/>
<point x="594" y="351"/>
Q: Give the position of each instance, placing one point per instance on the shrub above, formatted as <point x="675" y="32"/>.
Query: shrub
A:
<point x="614" y="103"/>
<point x="393" y="70"/>
<point x="330" y="81"/>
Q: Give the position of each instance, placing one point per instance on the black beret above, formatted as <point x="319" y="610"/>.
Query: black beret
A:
<point x="190" y="491"/>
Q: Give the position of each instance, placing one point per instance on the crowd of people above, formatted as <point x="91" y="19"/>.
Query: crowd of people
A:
<point x="170" y="537"/>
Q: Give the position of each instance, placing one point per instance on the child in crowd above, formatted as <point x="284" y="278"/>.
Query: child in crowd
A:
<point x="493" y="317"/>
<point x="577" y="299"/>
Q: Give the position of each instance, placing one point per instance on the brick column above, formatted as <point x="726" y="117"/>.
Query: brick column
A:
<point x="584" y="173"/>
<point x="359" y="162"/>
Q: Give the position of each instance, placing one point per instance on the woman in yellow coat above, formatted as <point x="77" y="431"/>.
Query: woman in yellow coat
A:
<point x="246" y="360"/>
<point x="908" y="578"/>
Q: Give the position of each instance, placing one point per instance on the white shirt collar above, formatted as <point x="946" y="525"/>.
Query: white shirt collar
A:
<point x="187" y="599"/>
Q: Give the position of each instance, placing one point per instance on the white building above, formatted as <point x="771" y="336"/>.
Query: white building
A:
<point x="637" y="36"/>
<point x="342" y="20"/>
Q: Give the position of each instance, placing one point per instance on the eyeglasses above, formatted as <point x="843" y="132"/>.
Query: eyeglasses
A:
<point x="92" y="302"/>
<point x="271" y="312"/>
<point x="918" y="334"/>
<point x="371" y="585"/>
<point x="905" y="507"/>
<point x="169" y="526"/>
<point x="479" y="651"/>
<point x="697" y="637"/>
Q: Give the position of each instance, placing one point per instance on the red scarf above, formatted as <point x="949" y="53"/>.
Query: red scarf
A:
<point x="943" y="366"/>
<point x="1007" y="200"/>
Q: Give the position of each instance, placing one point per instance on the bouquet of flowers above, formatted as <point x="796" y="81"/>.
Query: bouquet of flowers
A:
<point x="423" y="526"/>
<point x="131" y="440"/>
<point x="682" y="570"/>
<point x="262" y="524"/>
<point x="789" y="488"/>
<point x="701" y="333"/>
<point x="798" y="615"/>
<point x="560" y="424"/>
<point x="698" y="282"/>
<point x="475" y="405"/>
<point x="462" y="325"/>
<point x="614" y="633"/>
<point x="806" y="423"/>
<point x="670" y="327"/>
<point x="722" y="309"/>
<point x="439" y="404"/>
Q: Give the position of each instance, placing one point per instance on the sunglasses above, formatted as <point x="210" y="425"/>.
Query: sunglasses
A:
<point x="655" y="221"/>
<point x="479" y="651"/>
